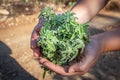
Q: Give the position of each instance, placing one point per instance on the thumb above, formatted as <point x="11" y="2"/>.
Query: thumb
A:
<point x="77" y="68"/>
<point x="74" y="68"/>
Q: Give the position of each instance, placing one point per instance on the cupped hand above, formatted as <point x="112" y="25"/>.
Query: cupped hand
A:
<point x="91" y="55"/>
<point x="35" y="35"/>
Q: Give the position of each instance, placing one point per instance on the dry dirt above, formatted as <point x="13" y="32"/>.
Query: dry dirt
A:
<point x="16" y="57"/>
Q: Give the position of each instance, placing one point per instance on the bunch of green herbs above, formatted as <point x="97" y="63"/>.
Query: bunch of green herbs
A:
<point x="61" y="36"/>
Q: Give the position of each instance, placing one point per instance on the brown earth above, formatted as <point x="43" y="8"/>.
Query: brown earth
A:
<point x="16" y="57"/>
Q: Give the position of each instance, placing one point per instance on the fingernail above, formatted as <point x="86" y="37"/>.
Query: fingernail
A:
<point x="36" y="55"/>
<point x="71" y="70"/>
<point x="41" y="60"/>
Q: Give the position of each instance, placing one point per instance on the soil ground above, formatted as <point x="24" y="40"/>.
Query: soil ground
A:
<point x="16" y="57"/>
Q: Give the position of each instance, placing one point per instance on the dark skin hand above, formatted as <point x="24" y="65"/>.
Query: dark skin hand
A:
<point x="98" y="44"/>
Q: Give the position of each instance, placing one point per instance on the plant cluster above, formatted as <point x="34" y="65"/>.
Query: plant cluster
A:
<point x="61" y="36"/>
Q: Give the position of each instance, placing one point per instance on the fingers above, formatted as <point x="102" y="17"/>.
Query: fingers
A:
<point x="77" y="68"/>
<point x="35" y="34"/>
<point x="80" y="68"/>
<point x="56" y="68"/>
<point x="53" y="67"/>
<point x="34" y="47"/>
<point x="34" y="38"/>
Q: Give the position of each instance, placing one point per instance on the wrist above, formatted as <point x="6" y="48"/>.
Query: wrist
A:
<point x="81" y="14"/>
<point x="108" y="41"/>
<point x="111" y="40"/>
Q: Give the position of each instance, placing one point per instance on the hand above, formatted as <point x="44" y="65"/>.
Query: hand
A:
<point x="34" y="37"/>
<point x="91" y="55"/>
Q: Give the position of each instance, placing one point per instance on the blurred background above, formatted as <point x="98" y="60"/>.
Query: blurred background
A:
<point x="17" y="20"/>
